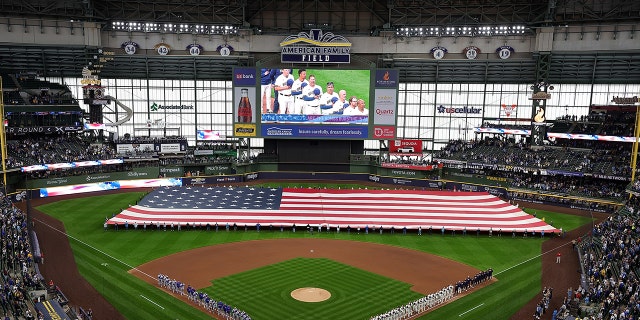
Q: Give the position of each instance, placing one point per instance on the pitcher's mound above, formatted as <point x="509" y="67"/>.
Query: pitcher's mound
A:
<point x="310" y="294"/>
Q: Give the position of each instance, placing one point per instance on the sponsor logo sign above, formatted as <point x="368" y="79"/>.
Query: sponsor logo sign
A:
<point x="384" y="132"/>
<point x="385" y="105"/>
<point x="320" y="131"/>
<point x="251" y="176"/>
<point x="623" y="100"/>
<point x="156" y="107"/>
<point x="407" y="166"/>
<point x="316" y="46"/>
<point x="465" y="109"/>
<point x="406" y="147"/>
<point x="244" y="130"/>
<point x="244" y="76"/>
<point x="386" y="78"/>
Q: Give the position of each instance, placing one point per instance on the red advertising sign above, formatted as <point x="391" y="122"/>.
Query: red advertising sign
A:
<point x="384" y="132"/>
<point x="406" y="147"/>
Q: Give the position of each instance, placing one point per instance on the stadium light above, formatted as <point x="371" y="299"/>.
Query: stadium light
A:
<point x="464" y="30"/>
<point x="134" y="26"/>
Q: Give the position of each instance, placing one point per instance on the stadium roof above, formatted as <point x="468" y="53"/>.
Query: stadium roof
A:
<point x="355" y="18"/>
<point x="341" y="16"/>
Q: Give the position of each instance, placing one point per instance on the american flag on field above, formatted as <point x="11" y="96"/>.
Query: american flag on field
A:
<point x="329" y="208"/>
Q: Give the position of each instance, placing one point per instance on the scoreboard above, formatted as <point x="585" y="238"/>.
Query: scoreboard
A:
<point x="298" y="103"/>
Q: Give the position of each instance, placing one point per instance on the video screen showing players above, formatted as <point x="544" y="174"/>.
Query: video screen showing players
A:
<point x="308" y="96"/>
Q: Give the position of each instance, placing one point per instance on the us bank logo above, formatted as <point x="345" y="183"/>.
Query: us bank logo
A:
<point x="244" y="76"/>
<point x="315" y="47"/>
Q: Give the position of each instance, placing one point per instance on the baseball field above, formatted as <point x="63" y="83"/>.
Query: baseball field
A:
<point x="365" y="274"/>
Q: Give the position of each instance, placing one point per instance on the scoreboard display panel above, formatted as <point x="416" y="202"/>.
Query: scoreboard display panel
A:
<point x="313" y="103"/>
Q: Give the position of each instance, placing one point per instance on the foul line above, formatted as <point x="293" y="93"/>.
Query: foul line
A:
<point x="94" y="248"/>
<point x="480" y="305"/>
<point x="152" y="302"/>
<point x="534" y="257"/>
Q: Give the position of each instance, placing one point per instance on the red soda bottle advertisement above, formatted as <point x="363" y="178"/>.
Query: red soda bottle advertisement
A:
<point x="244" y="108"/>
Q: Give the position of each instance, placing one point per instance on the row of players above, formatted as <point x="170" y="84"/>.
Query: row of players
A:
<point x="302" y="96"/>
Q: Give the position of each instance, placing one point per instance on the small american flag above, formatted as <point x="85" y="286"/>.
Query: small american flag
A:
<point x="330" y="208"/>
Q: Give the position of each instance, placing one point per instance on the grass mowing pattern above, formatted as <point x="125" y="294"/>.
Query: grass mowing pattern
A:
<point x="83" y="219"/>
<point x="265" y="293"/>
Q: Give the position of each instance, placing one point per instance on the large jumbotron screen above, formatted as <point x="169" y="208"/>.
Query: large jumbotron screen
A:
<point x="312" y="103"/>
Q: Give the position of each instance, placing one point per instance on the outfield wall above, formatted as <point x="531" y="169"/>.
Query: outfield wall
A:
<point x="361" y="171"/>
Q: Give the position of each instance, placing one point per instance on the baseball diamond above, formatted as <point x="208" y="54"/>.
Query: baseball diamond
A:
<point x="246" y="256"/>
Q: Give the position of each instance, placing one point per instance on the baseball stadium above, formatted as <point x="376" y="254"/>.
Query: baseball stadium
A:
<point x="320" y="160"/>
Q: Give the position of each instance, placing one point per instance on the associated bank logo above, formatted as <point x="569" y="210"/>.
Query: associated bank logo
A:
<point x="465" y="109"/>
<point x="275" y="131"/>
<point x="102" y="177"/>
<point x="156" y="107"/>
<point x="316" y="47"/>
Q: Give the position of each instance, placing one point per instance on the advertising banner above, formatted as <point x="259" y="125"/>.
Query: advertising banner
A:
<point x="123" y="148"/>
<point x="405" y="147"/>
<point x="218" y="169"/>
<point x="410" y="166"/>
<point x="172" y="148"/>
<point x="320" y="131"/>
<point x="172" y="171"/>
<point x="135" y="173"/>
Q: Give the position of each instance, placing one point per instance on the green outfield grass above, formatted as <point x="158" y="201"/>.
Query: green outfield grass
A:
<point x="105" y="257"/>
